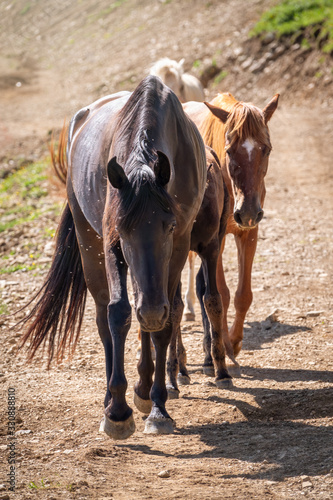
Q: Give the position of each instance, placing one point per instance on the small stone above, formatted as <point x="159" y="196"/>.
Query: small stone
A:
<point x="314" y="314"/>
<point x="306" y="484"/>
<point x="268" y="38"/>
<point x="2" y="487"/>
<point x="23" y="431"/>
<point x="273" y="316"/>
<point x="49" y="248"/>
<point x="164" y="473"/>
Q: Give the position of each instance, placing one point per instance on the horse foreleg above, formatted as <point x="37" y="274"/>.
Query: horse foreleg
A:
<point x="183" y="375"/>
<point x="208" y="366"/>
<point x="118" y="422"/>
<point x="246" y="246"/>
<point x="223" y="288"/>
<point x="214" y="308"/>
<point x="172" y="364"/>
<point x="189" y="314"/>
<point x="159" y="421"/>
<point x="146" y="369"/>
<point x="138" y="350"/>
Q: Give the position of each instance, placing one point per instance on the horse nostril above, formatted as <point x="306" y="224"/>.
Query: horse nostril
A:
<point x="237" y="217"/>
<point x="260" y="216"/>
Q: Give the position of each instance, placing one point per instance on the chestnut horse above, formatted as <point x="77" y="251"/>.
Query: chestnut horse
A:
<point x="239" y="134"/>
<point x="135" y="182"/>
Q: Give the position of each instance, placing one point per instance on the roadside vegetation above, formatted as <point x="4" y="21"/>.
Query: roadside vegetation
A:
<point x="309" y="22"/>
<point x="24" y="197"/>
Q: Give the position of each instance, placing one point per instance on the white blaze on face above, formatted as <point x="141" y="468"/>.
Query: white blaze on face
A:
<point x="249" y="145"/>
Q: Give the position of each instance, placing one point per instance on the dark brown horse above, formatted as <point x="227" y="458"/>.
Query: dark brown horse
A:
<point x="239" y="134"/>
<point x="206" y="238"/>
<point x="135" y="182"/>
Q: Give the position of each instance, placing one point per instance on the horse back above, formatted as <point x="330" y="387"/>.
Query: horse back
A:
<point x="90" y="136"/>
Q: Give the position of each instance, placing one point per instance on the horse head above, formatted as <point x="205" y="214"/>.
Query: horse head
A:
<point x="246" y="152"/>
<point x="171" y="73"/>
<point x="145" y="222"/>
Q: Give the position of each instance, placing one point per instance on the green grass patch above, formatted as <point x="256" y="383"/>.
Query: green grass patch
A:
<point x="25" y="9"/>
<point x="105" y="12"/>
<point x="19" y="193"/>
<point x="26" y="182"/>
<point x="18" y="267"/>
<point x="308" y="19"/>
<point x="218" y="79"/>
<point x="3" y="308"/>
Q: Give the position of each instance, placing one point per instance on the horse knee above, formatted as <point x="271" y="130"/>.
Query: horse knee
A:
<point x="213" y="304"/>
<point x="119" y="316"/>
<point x="243" y="301"/>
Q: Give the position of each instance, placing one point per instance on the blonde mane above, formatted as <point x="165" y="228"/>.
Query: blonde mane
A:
<point x="244" y="121"/>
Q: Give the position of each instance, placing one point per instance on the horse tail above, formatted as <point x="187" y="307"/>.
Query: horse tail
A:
<point x="59" y="158"/>
<point x="56" y="318"/>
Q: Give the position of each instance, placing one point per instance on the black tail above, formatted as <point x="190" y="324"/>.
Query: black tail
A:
<point x="56" y="318"/>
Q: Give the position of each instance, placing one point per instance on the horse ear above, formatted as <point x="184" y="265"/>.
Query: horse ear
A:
<point x="270" y="108"/>
<point x="162" y="169"/>
<point x="116" y="174"/>
<point x="218" y="112"/>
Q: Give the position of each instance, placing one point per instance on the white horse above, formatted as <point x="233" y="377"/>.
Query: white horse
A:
<point x="186" y="87"/>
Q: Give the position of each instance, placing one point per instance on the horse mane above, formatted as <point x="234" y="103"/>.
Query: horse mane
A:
<point x="138" y="156"/>
<point x="244" y="121"/>
<point x="132" y="209"/>
<point x="136" y="119"/>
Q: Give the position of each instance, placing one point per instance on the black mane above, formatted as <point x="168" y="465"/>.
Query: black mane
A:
<point x="137" y="154"/>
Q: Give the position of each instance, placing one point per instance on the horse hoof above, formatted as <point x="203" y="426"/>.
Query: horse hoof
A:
<point x="183" y="379"/>
<point x="224" y="383"/>
<point x="234" y="370"/>
<point x="143" y="405"/>
<point x="117" y="430"/>
<point x="189" y="316"/>
<point x="172" y="392"/>
<point x="209" y="371"/>
<point x="159" y="426"/>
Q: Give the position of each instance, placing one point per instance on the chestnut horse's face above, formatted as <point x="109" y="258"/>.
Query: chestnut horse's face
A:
<point x="247" y="148"/>
<point x="247" y="163"/>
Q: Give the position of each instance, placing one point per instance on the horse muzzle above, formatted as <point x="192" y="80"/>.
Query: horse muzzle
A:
<point x="248" y="219"/>
<point x="153" y="319"/>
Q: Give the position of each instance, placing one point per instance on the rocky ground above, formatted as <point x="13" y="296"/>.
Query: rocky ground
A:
<point x="271" y="435"/>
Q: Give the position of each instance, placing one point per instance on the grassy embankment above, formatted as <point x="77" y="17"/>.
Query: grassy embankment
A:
<point x="308" y="22"/>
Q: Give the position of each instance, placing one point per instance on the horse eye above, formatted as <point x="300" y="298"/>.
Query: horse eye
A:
<point x="266" y="150"/>
<point x="172" y="227"/>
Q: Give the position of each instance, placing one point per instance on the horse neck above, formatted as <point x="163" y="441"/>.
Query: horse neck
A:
<point x="213" y="134"/>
